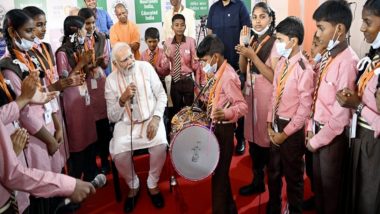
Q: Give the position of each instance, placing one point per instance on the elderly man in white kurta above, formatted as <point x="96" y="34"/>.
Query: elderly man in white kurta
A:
<point x="136" y="100"/>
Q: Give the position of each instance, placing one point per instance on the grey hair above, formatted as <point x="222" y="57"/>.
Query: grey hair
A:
<point x="117" y="47"/>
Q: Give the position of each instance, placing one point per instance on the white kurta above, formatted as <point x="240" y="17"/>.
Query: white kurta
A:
<point x="150" y="100"/>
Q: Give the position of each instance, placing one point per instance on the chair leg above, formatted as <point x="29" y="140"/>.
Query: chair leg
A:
<point x="116" y="182"/>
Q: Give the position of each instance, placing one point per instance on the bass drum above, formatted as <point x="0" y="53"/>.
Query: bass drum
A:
<point x="194" y="152"/>
<point x="186" y="117"/>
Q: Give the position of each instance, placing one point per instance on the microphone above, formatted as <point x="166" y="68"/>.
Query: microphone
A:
<point x="245" y="40"/>
<point x="65" y="73"/>
<point x="99" y="181"/>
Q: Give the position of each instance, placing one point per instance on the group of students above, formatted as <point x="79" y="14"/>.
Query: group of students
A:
<point x="324" y="102"/>
<point x="325" y="105"/>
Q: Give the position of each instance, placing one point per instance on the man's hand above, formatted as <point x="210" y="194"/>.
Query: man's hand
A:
<point x="82" y="191"/>
<point x="19" y="140"/>
<point x="128" y="94"/>
<point x="278" y="138"/>
<point x="153" y="127"/>
<point x="348" y="98"/>
<point x="218" y="115"/>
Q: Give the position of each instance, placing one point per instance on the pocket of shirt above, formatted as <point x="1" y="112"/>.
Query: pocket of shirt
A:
<point x="331" y="79"/>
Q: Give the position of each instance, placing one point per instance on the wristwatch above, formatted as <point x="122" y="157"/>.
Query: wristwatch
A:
<point x="359" y="109"/>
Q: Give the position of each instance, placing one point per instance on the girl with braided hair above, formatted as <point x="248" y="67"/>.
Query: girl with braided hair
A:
<point x="258" y="53"/>
<point x="81" y="129"/>
<point x="36" y="119"/>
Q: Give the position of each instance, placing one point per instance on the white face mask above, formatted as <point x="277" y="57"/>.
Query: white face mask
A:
<point x="317" y="58"/>
<point x="25" y="45"/>
<point x="333" y="43"/>
<point x="210" y="69"/>
<point x="81" y="40"/>
<point x="37" y="40"/>
<point x="282" y="50"/>
<point x="260" y="33"/>
<point x="376" y="44"/>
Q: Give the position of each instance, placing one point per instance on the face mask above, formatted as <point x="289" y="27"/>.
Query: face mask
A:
<point x="317" y="58"/>
<point x="333" y="43"/>
<point x="210" y="69"/>
<point x="81" y="40"/>
<point x="260" y="33"/>
<point x="25" y="45"/>
<point x="376" y="44"/>
<point x="282" y="50"/>
<point x="37" y="40"/>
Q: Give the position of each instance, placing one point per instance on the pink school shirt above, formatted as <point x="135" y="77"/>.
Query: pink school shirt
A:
<point x="161" y="65"/>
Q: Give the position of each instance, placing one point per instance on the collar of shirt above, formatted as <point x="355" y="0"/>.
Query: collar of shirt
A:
<point x="179" y="11"/>
<point x="154" y="51"/>
<point x="339" y="49"/>
<point x="231" y="1"/>
<point x="174" y="41"/>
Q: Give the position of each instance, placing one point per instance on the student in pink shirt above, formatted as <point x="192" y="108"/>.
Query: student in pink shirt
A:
<point x="180" y="50"/>
<point x="225" y="106"/>
<point x="13" y="174"/>
<point x="364" y="182"/>
<point x="37" y="119"/>
<point x="155" y="55"/>
<point x="262" y="57"/>
<point x="326" y="136"/>
<point x="96" y="41"/>
<point x="81" y="127"/>
<point x="293" y="85"/>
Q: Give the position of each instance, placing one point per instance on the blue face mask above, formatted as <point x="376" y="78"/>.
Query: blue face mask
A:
<point x="333" y="43"/>
<point x="81" y="40"/>
<point x="25" y="44"/>
<point x="317" y="58"/>
<point x="282" y="50"/>
<point x="210" y="68"/>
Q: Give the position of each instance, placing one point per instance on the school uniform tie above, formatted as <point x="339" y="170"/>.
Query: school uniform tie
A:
<point x="282" y="86"/>
<point x="368" y="74"/>
<point x="321" y="72"/>
<point x="177" y="64"/>
<point x="151" y="58"/>
<point x="14" y="203"/>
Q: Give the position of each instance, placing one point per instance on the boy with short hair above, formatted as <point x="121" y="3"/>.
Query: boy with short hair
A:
<point x="180" y="50"/>
<point x="155" y="55"/>
<point x="293" y="86"/>
<point x="225" y="106"/>
<point x="326" y="136"/>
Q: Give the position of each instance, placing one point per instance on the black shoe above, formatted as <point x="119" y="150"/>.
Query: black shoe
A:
<point x="309" y="204"/>
<point x="157" y="199"/>
<point x="240" y="147"/>
<point x="251" y="189"/>
<point x="130" y="202"/>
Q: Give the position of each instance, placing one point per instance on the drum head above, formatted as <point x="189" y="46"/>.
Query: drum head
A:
<point x="195" y="152"/>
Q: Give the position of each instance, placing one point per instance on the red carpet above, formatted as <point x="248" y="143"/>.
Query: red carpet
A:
<point x="197" y="195"/>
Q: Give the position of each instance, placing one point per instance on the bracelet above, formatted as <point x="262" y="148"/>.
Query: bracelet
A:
<point x="359" y="109"/>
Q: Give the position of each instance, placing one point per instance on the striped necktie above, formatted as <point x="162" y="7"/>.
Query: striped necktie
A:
<point x="282" y="85"/>
<point x="322" y="67"/>
<point x="14" y="203"/>
<point x="209" y="104"/>
<point x="177" y="64"/>
<point x="151" y="58"/>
